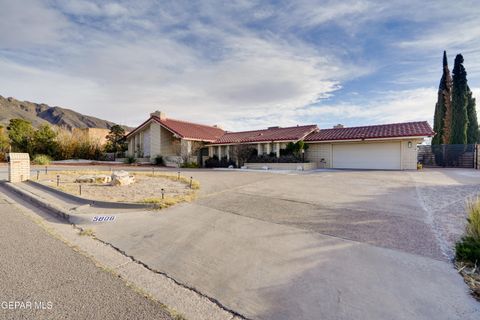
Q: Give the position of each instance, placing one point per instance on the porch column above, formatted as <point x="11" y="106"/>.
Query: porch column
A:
<point x="219" y="152"/>
<point x="259" y="149"/>
<point x="268" y="148"/>
<point x="210" y="151"/>
<point x="277" y="149"/>
<point x="228" y="152"/>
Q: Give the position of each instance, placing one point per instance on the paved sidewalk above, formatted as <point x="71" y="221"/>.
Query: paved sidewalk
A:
<point x="55" y="282"/>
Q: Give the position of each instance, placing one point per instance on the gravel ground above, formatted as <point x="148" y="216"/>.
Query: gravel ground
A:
<point x="145" y="186"/>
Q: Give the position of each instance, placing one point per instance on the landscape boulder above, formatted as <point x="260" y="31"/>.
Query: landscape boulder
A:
<point x="122" y="178"/>
<point x="94" y="178"/>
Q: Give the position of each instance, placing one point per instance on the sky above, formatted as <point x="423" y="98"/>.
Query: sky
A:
<point x="238" y="64"/>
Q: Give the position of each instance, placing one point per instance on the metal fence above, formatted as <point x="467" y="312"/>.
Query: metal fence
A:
<point x="448" y="155"/>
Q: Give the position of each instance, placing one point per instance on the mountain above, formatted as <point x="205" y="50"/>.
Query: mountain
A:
<point x="41" y="113"/>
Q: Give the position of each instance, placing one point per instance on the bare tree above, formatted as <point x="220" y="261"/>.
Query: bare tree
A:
<point x="241" y="153"/>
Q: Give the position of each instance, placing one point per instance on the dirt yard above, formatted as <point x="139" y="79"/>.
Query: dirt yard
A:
<point x="147" y="187"/>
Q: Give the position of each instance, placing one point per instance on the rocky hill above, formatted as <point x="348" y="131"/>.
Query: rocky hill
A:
<point x="38" y="114"/>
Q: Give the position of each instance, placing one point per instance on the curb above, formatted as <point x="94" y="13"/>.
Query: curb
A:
<point x="62" y="213"/>
<point x="92" y="203"/>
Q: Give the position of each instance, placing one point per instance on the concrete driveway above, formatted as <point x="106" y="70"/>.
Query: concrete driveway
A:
<point x="322" y="245"/>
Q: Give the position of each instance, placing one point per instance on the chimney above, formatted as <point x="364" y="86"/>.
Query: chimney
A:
<point x="217" y="126"/>
<point x="338" y="126"/>
<point x="159" y="114"/>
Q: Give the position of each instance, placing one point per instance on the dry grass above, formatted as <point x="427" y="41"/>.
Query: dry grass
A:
<point x="473" y="219"/>
<point x="170" y="201"/>
<point x="471" y="275"/>
<point x="86" y="232"/>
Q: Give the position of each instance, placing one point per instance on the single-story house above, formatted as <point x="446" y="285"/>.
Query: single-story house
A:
<point x="388" y="146"/>
<point x="174" y="140"/>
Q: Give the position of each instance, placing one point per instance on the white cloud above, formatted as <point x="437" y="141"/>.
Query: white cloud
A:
<point x="29" y="23"/>
<point x="385" y="107"/>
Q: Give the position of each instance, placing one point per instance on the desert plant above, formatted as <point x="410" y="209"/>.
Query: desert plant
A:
<point x="468" y="248"/>
<point x="189" y="165"/>
<point x="159" y="160"/>
<point x="130" y="160"/>
<point x="473" y="219"/>
<point x="41" y="159"/>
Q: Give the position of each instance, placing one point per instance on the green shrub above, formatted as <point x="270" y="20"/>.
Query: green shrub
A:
<point x="468" y="249"/>
<point x="159" y="161"/>
<point x="41" y="159"/>
<point x="130" y="160"/>
<point x="189" y="165"/>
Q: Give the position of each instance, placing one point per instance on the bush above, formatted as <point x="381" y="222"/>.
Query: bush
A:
<point x="130" y="160"/>
<point x="273" y="159"/>
<point x="214" y="162"/>
<point x="41" y="159"/>
<point x="189" y="165"/>
<point x="159" y="161"/>
<point x="468" y="248"/>
<point x="473" y="219"/>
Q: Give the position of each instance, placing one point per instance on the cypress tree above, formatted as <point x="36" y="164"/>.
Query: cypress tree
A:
<point x="459" y="103"/>
<point x="443" y="109"/>
<point x="472" y="130"/>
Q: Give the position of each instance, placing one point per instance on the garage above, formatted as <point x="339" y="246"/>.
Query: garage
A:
<point x="367" y="155"/>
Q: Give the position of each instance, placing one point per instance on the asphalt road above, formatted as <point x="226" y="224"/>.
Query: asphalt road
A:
<point x="43" y="278"/>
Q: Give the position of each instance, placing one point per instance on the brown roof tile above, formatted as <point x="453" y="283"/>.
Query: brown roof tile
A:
<point x="270" y="134"/>
<point x="406" y="129"/>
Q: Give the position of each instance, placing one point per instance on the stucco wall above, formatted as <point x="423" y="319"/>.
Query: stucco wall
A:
<point x="154" y="140"/>
<point x="318" y="151"/>
<point x="166" y="147"/>
<point x="409" y="155"/>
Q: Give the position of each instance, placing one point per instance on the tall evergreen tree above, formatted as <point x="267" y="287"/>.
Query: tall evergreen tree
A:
<point x="472" y="130"/>
<point x="443" y="108"/>
<point x="459" y="103"/>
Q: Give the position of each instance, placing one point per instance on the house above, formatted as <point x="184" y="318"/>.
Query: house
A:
<point x="388" y="146"/>
<point x="174" y="140"/>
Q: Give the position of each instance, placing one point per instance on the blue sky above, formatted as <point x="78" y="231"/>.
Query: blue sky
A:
<point x="240" y="64"/>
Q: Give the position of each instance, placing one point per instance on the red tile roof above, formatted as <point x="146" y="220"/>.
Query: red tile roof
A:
<point x="270" y="134"/>
<point x="186" y="130"/>
<point x="394" y="130"/>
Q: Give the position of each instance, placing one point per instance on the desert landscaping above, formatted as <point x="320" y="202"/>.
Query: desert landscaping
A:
<point x="141" y="186"/>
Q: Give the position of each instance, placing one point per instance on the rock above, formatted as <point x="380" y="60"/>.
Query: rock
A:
<point x="243" y="167"/>
<point x="265" y="168"/>
<point x="122" y="178"/>
<point x="92" y="178"/>
<point x="299" y="168"/>
<point x="230" y="167"/>
<point x="102" y="178"/>
<point x="85" y="179"/>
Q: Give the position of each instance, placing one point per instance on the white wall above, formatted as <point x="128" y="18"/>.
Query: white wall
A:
<point x="317" y="151"/>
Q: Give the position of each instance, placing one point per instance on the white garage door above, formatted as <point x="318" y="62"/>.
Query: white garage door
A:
<point x="367" y="156"/>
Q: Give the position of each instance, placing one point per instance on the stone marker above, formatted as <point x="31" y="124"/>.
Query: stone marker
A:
<point x="122" y="178"/>
<point x="18" y="167"/>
